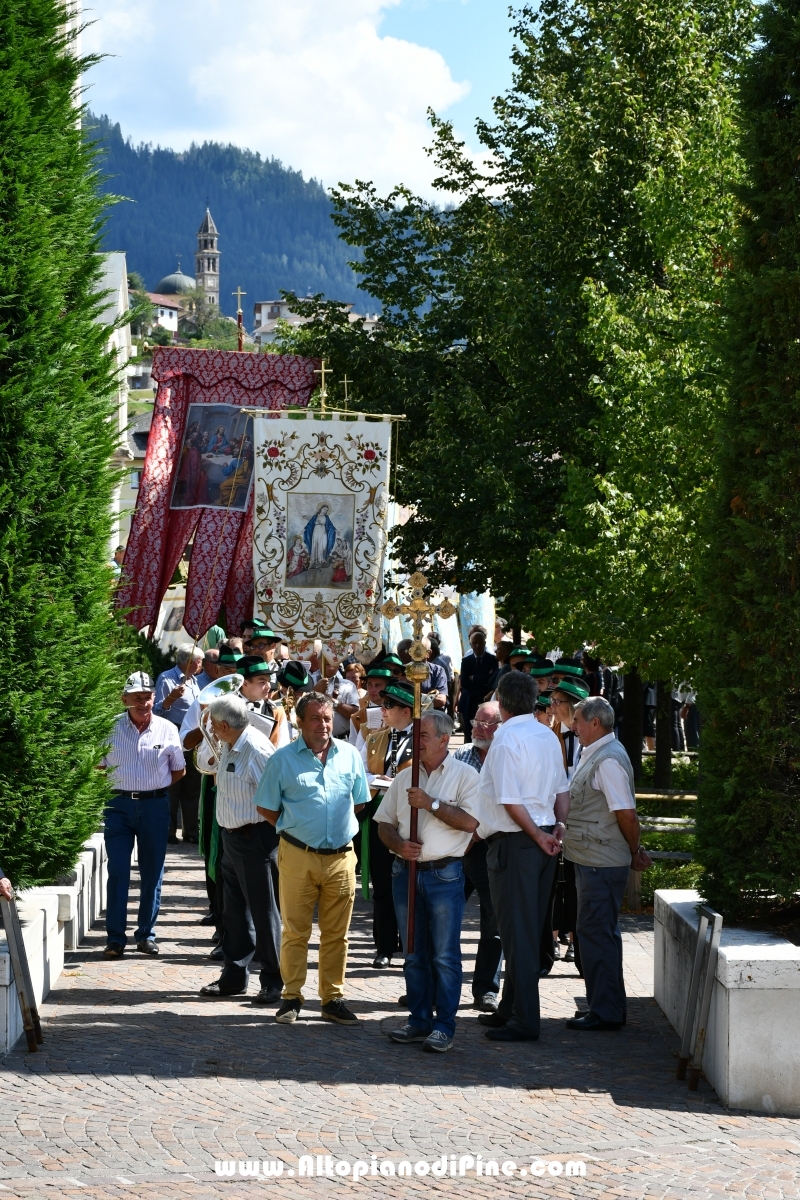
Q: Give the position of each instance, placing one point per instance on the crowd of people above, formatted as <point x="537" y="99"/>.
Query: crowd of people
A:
<point x="296" y="780"/>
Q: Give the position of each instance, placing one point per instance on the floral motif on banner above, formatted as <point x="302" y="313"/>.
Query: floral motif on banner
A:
<point x="321" y="514"/>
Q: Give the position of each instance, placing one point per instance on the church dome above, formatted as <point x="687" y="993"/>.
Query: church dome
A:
<point x="174" y="284"/>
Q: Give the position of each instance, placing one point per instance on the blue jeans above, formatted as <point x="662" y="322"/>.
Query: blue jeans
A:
<point x="148" y="822"/>
<point x="433" y="971"/>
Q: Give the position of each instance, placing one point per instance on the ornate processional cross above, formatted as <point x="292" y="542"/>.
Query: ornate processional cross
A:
<point x="323" y="391"/>
<point x="238" y="294"/>
<point x="420" y="610"/>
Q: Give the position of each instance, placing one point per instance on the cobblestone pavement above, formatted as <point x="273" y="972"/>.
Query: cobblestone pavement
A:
<point x="141" y="1086"/>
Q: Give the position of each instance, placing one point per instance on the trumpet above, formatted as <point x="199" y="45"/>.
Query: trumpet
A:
<point x="229" y="685"/>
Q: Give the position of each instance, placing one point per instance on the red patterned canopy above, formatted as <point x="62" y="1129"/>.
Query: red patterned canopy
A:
<point x="221" y="566"/>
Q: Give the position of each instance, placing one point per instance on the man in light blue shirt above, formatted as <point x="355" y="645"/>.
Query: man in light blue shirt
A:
<point x="311" y="791"/>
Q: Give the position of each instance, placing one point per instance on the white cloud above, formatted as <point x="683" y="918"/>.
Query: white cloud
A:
<point x="311" y="82"/>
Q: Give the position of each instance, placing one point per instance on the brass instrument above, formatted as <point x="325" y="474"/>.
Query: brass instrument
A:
<point x="229" y="685"/>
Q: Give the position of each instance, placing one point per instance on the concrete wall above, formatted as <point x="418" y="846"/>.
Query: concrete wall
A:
<point x="54" y="921"/>
<point x="752" y="1052"/>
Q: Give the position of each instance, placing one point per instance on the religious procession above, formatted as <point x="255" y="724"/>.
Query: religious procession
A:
<point x="310" y="758"/>
<point x="401" y="606"/>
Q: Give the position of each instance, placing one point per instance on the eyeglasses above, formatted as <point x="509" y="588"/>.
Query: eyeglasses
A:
<point x="393" y="704"/>
<point x="485" y="724"/>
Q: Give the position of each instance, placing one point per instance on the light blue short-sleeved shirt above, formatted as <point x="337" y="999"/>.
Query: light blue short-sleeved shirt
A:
<point x="315" y="802"/>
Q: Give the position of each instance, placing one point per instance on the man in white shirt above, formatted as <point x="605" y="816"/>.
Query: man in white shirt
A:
<point x="251" y="923"/>
<point x="143" y="760"/>
<point x="602" y="840"/>
<point x="449" y="812"/>
<point x="523" y="789"/>
<point x="346" y="702"/>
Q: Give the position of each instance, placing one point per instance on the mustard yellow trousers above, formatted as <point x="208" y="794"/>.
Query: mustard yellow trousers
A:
<point x="328" y="881"/>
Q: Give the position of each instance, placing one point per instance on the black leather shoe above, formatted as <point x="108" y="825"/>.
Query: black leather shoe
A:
<point x="493" y="1020"/>
<point x="148" y="947"/>
<point x="381" y="962"/>
<point x="269" y="995"/>
<point x="216" y="954"/>
<point x="589" y="1023"/>
<point x="403" y="1001"/>
<point x="216" y="992"/>
<point x="509" y="1035"/>
<point x="209" y="919"/>
<point x="113" y="950"/>
<point x="584" y="1012"/>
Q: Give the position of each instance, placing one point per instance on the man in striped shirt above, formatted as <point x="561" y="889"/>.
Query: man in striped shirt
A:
<point x="143" y="760"/>
<point x="251" y="923"/>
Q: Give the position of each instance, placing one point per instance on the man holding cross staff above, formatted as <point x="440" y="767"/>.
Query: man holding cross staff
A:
<point x="429" y="829"/>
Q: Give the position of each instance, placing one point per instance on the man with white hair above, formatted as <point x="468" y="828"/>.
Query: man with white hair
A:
<point x="251" y="924"/>
<point x="175" y="691"/>
<point x="602" y="839"/>
<point x="447" y="804"/>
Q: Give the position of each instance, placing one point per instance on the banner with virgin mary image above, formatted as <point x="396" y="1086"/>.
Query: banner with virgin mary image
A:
<point x="320" y="526"/>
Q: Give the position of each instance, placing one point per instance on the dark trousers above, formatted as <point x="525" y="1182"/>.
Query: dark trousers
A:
<point x="385" y="933"/>
<point x="520" y="880"/>
<point x="600" y="893"/>
<point x="251" y="919"/>
<point x="185" y="794"/>
<point x="489" y="958"/>
<point x="562" y="915"/>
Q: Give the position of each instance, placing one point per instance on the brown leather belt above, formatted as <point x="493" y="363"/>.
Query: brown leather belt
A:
<point x="293" y="841"/>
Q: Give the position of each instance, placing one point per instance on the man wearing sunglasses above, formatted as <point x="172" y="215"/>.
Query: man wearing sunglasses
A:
<point x="386" y="752"/>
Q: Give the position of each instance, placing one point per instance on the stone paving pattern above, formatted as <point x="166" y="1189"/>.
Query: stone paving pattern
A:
<point x="140" y="1086"/>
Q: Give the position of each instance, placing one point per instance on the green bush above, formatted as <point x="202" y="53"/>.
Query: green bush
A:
<point x="665" y="874"/>
<point x="58" y="663"/>
<point x="749" y="808"/>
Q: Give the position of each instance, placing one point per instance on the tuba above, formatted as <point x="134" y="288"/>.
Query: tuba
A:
<point x="207" y="752"/>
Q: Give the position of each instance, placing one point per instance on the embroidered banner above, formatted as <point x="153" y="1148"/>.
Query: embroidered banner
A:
<point x="320" y="527"/>
<point x="170" y="509"/>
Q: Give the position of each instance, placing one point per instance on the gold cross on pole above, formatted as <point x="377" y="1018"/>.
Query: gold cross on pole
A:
<point x="345" y="381"/>
<point x="323" y="391"/>
<point x="420" y="610"/>
<point x="238" y="294"/>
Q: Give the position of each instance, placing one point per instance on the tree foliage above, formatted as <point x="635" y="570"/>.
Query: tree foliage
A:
<point x="749" y="808"/>
<point x="56" y="441"/>
<point x="547" y="332"/>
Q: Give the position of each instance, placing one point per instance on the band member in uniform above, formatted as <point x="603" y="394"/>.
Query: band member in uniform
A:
<point x="377" y="679"/>
<point x="264" y="643"/>
<point x="255" y="693"/>
<point x="293" y="680"/>
<point x="386" y="751"/>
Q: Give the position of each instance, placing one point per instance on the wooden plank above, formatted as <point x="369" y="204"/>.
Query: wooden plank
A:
<point x="667" y="794"/>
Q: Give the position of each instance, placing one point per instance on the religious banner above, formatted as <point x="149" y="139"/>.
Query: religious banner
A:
<point x="215" y="467"/>
<point x="197" y="481"/>
<point x="320" y="527"/>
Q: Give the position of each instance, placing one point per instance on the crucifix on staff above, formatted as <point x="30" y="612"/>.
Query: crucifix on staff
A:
<point x="419" y="610"/>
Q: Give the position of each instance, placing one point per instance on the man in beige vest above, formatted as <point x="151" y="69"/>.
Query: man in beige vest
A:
<point x="602" y="840"/>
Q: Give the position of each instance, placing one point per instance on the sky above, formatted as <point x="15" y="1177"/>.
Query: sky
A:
<point x="336" y="88"/>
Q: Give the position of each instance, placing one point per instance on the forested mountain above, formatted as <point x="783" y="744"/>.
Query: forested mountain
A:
<point x="275" y="229"/>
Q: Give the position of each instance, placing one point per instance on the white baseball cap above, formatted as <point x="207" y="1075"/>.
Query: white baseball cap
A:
<point x="139" y="681"/>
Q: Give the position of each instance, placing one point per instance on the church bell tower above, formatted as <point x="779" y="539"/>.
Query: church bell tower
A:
<point x="206" y="271"/>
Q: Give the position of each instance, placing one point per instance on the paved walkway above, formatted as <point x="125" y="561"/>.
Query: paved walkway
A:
<point x="141" y="1086"/>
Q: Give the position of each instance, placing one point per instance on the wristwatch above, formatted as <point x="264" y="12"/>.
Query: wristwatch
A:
<point x="435" y="805"/>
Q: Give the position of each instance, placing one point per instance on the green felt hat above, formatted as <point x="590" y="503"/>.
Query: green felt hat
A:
<point x="230" y="657"/>
<point x="250" y="666"/>
<point x="379" y="673"/>
<point x="543" y="701"/>
<point x="540" y="672"/>
<point x="294" y="675"/>
<point x="262" y="634"/>
<point x="393" y="660"/>
<point x="578" y="689"/>
<point x="397" y="692"/>
<point x="519" y="652"/>
<point x="568" y="667"/>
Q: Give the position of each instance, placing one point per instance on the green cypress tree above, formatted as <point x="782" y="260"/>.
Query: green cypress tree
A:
<point x="749" y="809"/>
<point x="57" y="678"/>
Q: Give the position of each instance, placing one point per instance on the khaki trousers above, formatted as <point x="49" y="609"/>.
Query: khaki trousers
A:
<point x="329" y="881"/>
